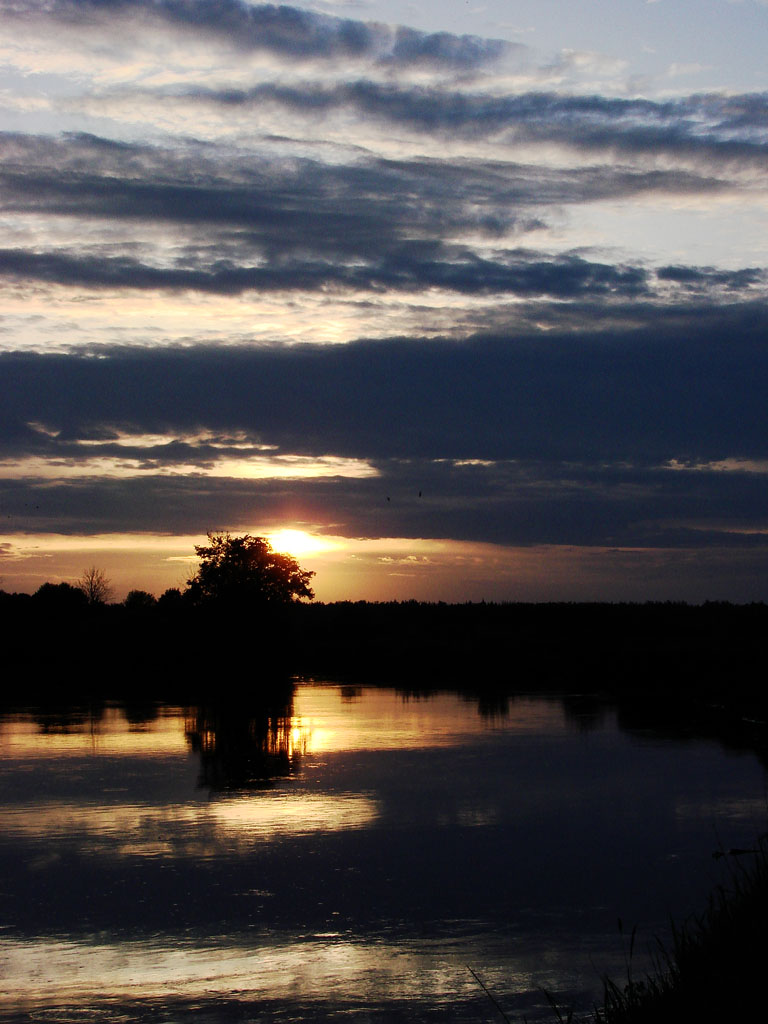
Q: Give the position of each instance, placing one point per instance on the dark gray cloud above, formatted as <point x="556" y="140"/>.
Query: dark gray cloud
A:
<point x="291" y="203"/>
<point x="708" y="126"/>
<point x="92" y="177"/>
<point x="301" y="225"/>
<point x="288" y="32"/>
<point x="405" y="268"/>
<point x="445" y="49"/>
<point x="703" y="278"/>
<point x="692" y="391"/>
<point x="516" y="439"/>
<point x="269" y="225"/>
<point x="503" y="503"/>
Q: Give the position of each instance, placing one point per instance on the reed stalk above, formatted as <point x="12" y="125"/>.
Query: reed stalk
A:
<point x="714" y="968"/>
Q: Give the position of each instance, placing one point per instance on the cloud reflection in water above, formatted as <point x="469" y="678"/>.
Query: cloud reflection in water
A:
<point x="399" y="839"/>
<point x="323" y="967"/>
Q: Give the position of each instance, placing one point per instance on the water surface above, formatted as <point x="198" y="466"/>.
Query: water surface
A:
<point x="347" y="853"/>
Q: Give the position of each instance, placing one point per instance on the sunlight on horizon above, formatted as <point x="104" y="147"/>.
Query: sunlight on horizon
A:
<point x="384" y="568"/>
<point x="299" y="542"/>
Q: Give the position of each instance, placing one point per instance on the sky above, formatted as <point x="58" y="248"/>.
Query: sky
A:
<point x="451" y="300"/>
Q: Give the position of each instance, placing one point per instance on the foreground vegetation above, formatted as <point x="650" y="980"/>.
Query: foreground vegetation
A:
<point x="714" y="968"/>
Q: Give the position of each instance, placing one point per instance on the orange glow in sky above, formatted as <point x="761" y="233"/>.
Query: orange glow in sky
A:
<point x="372" y="569"/>
<point x="299" y="543"/>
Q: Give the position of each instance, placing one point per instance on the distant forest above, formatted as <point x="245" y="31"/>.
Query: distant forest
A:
<point x="175" y="643"/>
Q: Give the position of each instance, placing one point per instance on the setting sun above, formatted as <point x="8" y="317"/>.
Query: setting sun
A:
<point x="297" y="542"/>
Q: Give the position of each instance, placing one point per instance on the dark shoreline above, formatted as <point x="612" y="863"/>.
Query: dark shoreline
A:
<point x="710" y="651"/>
<point x="677" y="669"/>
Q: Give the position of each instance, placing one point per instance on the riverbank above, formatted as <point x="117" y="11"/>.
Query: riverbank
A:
<point x="629" y="647"/>
<point x="714" y="968"/>
<point x="695" y="669"/>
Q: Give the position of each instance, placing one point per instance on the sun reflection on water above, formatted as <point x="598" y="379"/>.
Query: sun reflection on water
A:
<point x="86" y="732"/>
<point x="386" y="719"/>
<point x="315" y="967"/>
<point x="334" y="851"/>
<point x="194" y="829"/>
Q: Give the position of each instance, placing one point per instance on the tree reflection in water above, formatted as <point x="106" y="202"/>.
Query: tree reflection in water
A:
<point x="249" y="742"/>
<point x="246" y="743"/>
<point x="63" y="719"/>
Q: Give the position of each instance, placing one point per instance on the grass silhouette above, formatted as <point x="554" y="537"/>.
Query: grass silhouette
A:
<point x="714" y="967"/>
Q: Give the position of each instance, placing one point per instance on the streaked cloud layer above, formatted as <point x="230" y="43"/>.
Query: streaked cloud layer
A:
<point x="268" y="268"/>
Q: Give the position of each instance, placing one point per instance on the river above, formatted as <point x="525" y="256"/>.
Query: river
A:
<point x="348" y="853"/>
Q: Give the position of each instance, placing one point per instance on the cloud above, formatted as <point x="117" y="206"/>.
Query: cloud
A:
<point x="444" y="48"/>
<point x="83" y="175"/>
<point x="405" y="269"/>
<point x="692" y="391"/>
<point x="288" y="32"/>
<point x="275" y="225"/>
<point x="712" y="126"/>
<point x="645" y="438"/>
<point x="701" y="278"/>
<point x="564" y="291"/>
<point x="512" y="503"/>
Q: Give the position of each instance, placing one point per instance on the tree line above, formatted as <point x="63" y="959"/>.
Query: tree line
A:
<point x="234" y="572"/>
<point x="249" y="608"/>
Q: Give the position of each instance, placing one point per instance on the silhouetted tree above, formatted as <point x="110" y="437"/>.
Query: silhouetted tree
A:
<point x="170" y="600"/>
<point x="245" y="571"/>
<point x="138" y="600"/>
<point x="95" y="585"/>
<point x="61" y="598"/>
